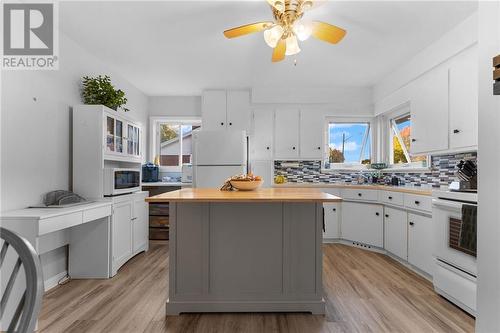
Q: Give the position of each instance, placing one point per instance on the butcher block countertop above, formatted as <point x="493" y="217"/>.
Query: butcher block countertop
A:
<point x="259" y="195"/>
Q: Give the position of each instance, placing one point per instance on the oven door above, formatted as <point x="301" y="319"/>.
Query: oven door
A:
<point x="126" y="181"/>
<point x="446" y="214"/>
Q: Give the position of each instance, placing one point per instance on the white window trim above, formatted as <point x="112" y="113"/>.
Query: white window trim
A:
<point x="388" y="121"/>
<point x="371" y="121"/>
<point x="154" y="137"/>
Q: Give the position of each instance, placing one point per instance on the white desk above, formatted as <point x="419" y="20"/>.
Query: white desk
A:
<point x="86" y="228"/>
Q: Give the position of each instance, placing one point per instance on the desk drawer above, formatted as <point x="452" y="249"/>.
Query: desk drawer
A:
<point x="392" y="198"/>
<point x="360" y="194"/>
<point x="96" y="213"/>
<point x="59" y="222"/>
<point x="419" y="202"/>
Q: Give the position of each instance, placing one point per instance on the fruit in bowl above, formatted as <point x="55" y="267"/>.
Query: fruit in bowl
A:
<point x="246" y="182"/>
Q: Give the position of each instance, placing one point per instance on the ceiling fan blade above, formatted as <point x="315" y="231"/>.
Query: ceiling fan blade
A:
<point x="327" y="32"/>
<point x="247" y="29"/>
<point x="279" y="51"/>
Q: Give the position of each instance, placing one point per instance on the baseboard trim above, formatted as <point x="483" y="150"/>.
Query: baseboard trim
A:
<point x="53" y="281"/>
<point x="178" y="307"/>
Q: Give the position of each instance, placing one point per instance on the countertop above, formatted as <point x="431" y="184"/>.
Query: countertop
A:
<point x="259" y="195"/>
<point x="173" y="184"/>
<point x="421" y="190"/>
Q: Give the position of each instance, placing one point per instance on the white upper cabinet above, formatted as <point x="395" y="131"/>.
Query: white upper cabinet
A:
<point x="261" y="143"/>
<point x="213" y="111"/>
<point x="238" y="110"/>
<point x="312" y="132"/>
<point x="223" y="109"/>
<point x="429" y="112"/>
<point x="286" y="134"/>
<point x="464" y="100"/>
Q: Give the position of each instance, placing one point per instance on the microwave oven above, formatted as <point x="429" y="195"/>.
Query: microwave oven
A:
<point x="121" y="181"/>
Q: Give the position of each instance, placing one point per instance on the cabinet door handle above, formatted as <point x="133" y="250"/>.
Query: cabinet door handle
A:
<point x="293" y="148"/>
<point x="377" y="213"/>
<point x="413" y="140"/>
<point x="334" y="209"/>
<point x="417" y="202"/>
<point x="267" y="148"/>
<point x="386" y="215"/>
<point x="319" y="148"/>
<point x="359" y="194"/>
<point x="456" y="131"/>
<point x="134" y="218"/>
<point x="411" y="223"/>
<point x="230" y="124"/>
<point x="222" y="124"/>
<point x="390" y="198"/>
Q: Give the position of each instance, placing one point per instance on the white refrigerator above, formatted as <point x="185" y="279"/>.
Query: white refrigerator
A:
<point x="218" y="155"/>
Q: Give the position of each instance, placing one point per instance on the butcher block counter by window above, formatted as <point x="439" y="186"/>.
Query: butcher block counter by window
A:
<point x="236" y="251"/>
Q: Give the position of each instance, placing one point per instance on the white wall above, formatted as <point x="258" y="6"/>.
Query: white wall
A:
<point x="36" y="130"/>
<point x="188" y="106"/>
<point x="488" y="239"/>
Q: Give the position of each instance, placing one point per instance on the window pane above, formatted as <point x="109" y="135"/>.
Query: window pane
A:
<point x="187" y="143"/>
<point x="349" y="142"/>
<point x="403" y="126"/>
<point x="170" y="146"/>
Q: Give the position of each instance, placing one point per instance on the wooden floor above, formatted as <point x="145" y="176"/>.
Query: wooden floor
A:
<point x="364" y="291"/>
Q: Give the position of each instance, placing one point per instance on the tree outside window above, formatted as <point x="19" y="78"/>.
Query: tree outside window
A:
<point x="400" y="129"/>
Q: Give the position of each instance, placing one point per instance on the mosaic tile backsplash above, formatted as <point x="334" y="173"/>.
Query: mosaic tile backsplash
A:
<point x="442" y="172"/>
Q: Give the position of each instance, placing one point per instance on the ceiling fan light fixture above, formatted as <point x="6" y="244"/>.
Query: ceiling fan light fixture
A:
<point x="302" y="29"/>
<point x="292" y="45"/>
<point x="273" y="35"/>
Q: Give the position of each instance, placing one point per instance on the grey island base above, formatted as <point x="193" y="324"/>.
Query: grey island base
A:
<point x="256" y="251"/>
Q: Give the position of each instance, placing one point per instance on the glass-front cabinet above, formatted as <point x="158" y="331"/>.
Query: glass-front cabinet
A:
<point x="122" y="138"/>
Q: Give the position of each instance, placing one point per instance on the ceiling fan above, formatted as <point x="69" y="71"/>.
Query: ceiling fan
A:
<point x="289" y="27"/>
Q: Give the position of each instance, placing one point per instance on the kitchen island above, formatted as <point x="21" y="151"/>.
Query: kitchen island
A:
<point x="245" y="251"/>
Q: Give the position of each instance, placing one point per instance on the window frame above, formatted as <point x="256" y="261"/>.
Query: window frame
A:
<point x="372" y="128"/>
<point x="154" y="146"/>
<point x="389" y="120"/>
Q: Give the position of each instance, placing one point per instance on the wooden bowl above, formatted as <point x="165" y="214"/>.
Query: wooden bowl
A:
<point x="245" y="185"/>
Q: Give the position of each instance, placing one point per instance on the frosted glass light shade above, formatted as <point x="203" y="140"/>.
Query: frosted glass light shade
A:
<point x="302" y="30"/>
<point x="292" y="46"/>
<point x="273" y="35"/>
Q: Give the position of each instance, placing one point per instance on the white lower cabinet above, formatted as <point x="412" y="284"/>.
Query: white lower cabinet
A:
<point x="363" y="223"/>
<point x="129" y="228"/>
<point x="420" y="242"/>
<point x="332" y="221"/>
<point x="395" y="232"/>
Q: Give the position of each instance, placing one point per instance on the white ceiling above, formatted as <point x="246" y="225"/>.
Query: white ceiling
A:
<point x="177" y="47"/>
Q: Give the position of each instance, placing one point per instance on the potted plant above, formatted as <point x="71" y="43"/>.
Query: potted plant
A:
<point x="99" y="90"/>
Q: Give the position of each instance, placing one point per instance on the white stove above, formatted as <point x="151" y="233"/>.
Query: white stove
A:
<point x="455" y="266"/>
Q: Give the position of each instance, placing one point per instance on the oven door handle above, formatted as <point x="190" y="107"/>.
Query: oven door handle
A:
<point x="448" y="204"/>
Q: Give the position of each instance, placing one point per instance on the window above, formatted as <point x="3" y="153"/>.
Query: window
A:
<point x="172" y="143"/>
<point x="349" y="143"/>
<point x="400" y="134"/>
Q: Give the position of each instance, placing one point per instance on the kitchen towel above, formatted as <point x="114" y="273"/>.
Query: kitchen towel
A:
<point x="468" y="232"/>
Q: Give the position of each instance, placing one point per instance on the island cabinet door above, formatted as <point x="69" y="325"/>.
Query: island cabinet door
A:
<point x="363" y="223"/>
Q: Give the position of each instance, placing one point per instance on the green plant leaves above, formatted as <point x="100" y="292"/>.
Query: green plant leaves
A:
<point x="99" y="90"/>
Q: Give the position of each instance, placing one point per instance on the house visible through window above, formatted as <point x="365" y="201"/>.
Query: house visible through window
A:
<point x="400" y="134"/>
<point x="175" y="144"/>
<point x="349" y="142"/>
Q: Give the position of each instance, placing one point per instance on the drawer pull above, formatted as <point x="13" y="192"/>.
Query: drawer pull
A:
<point x="377" y="213"/>
<point x="413" y="140"/>
<point x="319" y="148"/>
<point x="359" y="194"/>
<point x="456" y="131"/>
<point x="293" y="148"/>
<point x="334" y="209"/>
<point x="411" y="223"/>
<point x="267" y="148"/>
<point x="230" y="124"/>
<point x="390" y="198"/>
<point x="417" y="202"/>
<point x="386" y="215"/>
<point x="222" y="124"/>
